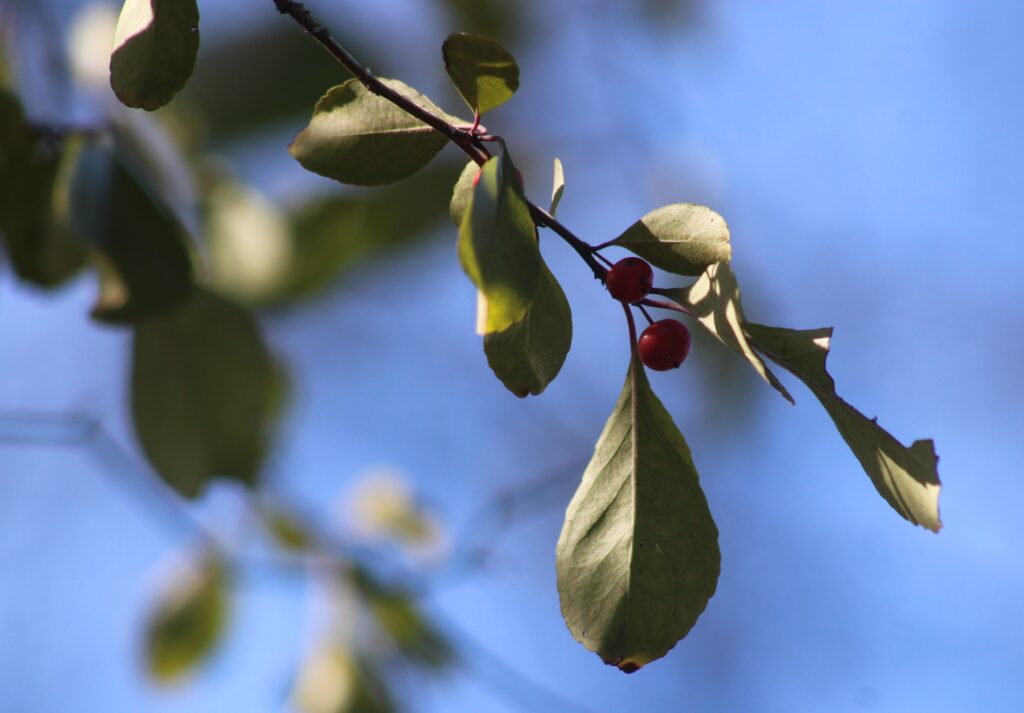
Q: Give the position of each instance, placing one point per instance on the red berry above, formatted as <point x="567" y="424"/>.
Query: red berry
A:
<point x="664" y="345"/>
<point x="630" y="279"/>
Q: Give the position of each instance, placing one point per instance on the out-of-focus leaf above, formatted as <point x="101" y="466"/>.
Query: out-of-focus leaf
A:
<point x="331" y="235"/>
<point x="908" y="478"/>
<point x="498" y="247"/>
<point x="491" y="18"/>
<point x="714" y="300"/>
<point x="147" y="269"/>
<point x="557" y="187"/>
<point x="286" y="529"/>
<point x="205" y="390"/>
<point x="528" y="355"/>
<point x="333" y="680"/>
<point x="638" y="557"/>
<point x="682" y="238"/>
<point x="155" y="47"/>
<point x="383" y="507"/>
<point x="483" y="71"/>
<point x="360" y="138"/>
<point x="188" y="620"/>
<point x="412" y="635"/>
<point x="40" y="248"/>
<point x="462" y="193"/>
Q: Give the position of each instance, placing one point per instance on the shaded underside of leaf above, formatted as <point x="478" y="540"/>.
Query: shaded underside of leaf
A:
<point x="498" y="247"/>
<point x="155" y="48"/>
<point x="638" y="555"/>
<point x="907" y="478"/>
<point x="528" y="355"/>
<point x="483" y="71"/>
<point x="143" y="252"/>
<point x="462" y="193"/>
<point x="714" y="299"/>
<point x="41" y="250"/>
<point x="359" y="138"/>
<point x="682" y="238"/>
<point x="204" y="392"/>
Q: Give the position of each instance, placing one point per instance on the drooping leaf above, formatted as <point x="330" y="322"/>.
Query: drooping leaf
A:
<point x="557" y="187"/>
<point x="907" y="478"/>
<point x="360" y="138"/>
<point x="483" y="71"/>
<point x="143" y="254"/>
<point x="682" y="238"/>
<point x="41" y="250"/>
<point x="528" y="355"/>
<point x="638" y="556"/>
<point x="205" y="390"/>
<point x="714" y="300"/>
<point x="155" y="49"/>
<point x="188" y="620"/>
<point x="462" y="193"/>
<point x="333" y="680"/>
<point x="498" y="247"/>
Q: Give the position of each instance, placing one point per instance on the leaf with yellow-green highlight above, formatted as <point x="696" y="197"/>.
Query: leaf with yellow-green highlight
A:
<point x="907" y="478"/>
<point x="497" y="247"/>
<point x="528" y="355"/>
<point x="359" y="138"/>
<point x="483" y="71"/>
<point x="638" y="558"/>
<point x="462" y="193"/>
<point x="714" y="299"/>
<point x="155" y="48"/>
<point x="557" y="186"/>
<point x="188" y="619"/>
<point x="682" y="238"/>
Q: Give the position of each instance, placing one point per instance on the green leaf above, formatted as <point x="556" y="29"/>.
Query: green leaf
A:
<point x="155" y="49"/>
<point x="41" y="250"/>
<point x="714" y="300"/>
<point x="333" y="680"/>
<point x="485" y="74"/>
<point x="360" y="138"/>
<point x="498" y="247"/>
<point x="638" y="556"/>
<point x="462" y="193"/>
<point x="557" y="187"/>
<point x="528" y="355"/>
<point x="205" y="390"/>
<point x="188" y="620"/>
<point x="682" y="238"/>
<point x="907" y="478"/>
<point x="288" y="532"/>
<point x="143" y="255"/>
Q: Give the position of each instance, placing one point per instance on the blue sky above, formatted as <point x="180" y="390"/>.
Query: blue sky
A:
<point x="868" y="160"/>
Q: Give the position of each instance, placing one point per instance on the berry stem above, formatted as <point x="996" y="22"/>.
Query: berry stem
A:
<point x="643" y="309"/>
<point x="632" y="332"/>
<point x="661" y="304"/>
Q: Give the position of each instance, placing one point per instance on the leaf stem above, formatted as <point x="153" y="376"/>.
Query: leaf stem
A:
<point x="470" y="143"/>
<point x="661" y="304"/>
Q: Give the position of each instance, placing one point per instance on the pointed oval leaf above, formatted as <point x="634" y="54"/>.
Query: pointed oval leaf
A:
<point x="144" y="258"/>
<point x="908" y="478"/>
<point x="155" y="47"/>
<point x="462" y="193"/>
<point x="41" y="250"/>
<point x="188" y="620"/>
<point x="359" y="138"/>
<point x="498" y="247"/>
<point x="205" y="390"/>
<point x="557" y="187"/>
<point x="714" y="300"/>
<point x="638" y="555"/>
<point x="483" y="71"/>
<point x="528" y="355"/>
<point x="682" y="238"/>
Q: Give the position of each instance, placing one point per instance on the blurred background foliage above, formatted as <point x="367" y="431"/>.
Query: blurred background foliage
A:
<point x="864" y="161"/>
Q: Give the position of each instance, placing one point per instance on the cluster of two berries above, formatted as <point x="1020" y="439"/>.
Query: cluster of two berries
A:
<point x="665" y="343"/>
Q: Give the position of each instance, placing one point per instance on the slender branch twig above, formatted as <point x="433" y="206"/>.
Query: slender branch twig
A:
<point x="466" y="140"/>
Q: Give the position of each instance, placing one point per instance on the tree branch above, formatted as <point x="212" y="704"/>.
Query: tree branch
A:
<point x="468" y="141"/>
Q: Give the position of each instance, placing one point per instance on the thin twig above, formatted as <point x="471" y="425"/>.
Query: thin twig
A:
<point x="464" y="139"/>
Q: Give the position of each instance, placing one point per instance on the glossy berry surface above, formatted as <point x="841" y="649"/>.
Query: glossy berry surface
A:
<point x="664" y="345"/>
<point x="630" y="279"/>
